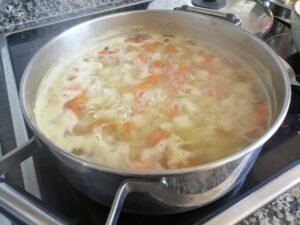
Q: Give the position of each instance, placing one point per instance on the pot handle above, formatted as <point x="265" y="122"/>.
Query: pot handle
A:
<point x="14" y="201"/>
<point x="290" y="72"/>
<point x="210" y="12"/>
<point x="128" y="186"/>
<point x="17" y="155"/>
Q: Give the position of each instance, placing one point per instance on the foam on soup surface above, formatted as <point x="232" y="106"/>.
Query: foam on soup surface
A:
<point x="151" y="101"/>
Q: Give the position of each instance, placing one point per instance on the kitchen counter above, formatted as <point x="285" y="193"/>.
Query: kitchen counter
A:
<point x="283" y="210"/>
<point x="17" y="14"/>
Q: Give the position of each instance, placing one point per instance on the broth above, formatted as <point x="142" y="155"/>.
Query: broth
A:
<point x="152" y="101"/>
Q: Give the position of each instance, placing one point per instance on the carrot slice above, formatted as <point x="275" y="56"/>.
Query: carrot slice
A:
<point x="97" y="123"/>
<point x="135" y="39"/>
<point x="172" y="110"/>
<point x="128" y="125"/>
<point x="142" y="57"/>
<point x="142" y="165"/>
<point x="159" y="63"/>
<point x="261" y="114"/>
<point x="141" y="87"/>
<point x="76" y="104"/>
<point x="170" y="48"/>
<point x="157" y="136"/>
<point x="183" y="68"/>
<point x="185" y="164"/>
<point x="153" y="78"/>
<point x="150" y="46"/>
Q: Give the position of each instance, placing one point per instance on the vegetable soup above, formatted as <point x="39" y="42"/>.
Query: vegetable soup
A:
<point x="152" y="102"/>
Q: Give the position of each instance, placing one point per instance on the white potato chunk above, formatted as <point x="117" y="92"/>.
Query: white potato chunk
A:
<point x="182" y="122"/>
<point x="178" y="154"/>
<point x="140" y="120"/>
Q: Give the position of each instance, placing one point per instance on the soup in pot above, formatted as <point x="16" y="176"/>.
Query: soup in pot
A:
<point x="151" y="102"/>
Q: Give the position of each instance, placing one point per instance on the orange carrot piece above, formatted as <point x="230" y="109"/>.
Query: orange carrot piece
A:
<point x="217" y="91"/>
<point x="183" y="68"/>
<point x="157" y="136"/>
<point x="150" y="46"/>
<point x="142" y="57"/>
<point x="142" y="165"/>
<point x="76" y="104"/>
<point x="128" y="125"/>
<point x="170" y="48"/>
<point x="159" y="63"/>
<point x="185" y="164"/>
<point x="153" y="78"/>
<point x="97" y="123"/>
<point x="141" y="87"/>
<point x="261" y="114"/>
<point x="135" y="39"/>
<point x="172" y="110"/>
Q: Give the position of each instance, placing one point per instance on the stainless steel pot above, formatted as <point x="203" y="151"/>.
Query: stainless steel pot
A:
<point x="168" y="191"/>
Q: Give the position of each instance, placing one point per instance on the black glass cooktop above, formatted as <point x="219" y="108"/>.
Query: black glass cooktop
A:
<point x="280" y="151"/>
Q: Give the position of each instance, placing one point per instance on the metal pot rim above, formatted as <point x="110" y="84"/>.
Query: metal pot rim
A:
<point x="158" y="173"/>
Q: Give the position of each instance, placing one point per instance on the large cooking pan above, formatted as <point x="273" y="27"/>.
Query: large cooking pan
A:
<point x="168" y="191"/>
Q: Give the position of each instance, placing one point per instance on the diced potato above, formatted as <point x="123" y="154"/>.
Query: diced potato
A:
<point x="177" y="153"/>
<point x="155" y="153"/>
<point x="190" y="134"/>
<point x="182" y="122"/>
<point x="188" y="105"/>
<point x="128" y="97"/>
<point x="141" y="120"/>
<point x="167" y="126"/>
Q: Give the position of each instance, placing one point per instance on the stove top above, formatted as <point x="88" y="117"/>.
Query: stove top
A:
<point x="58" y="195"/>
